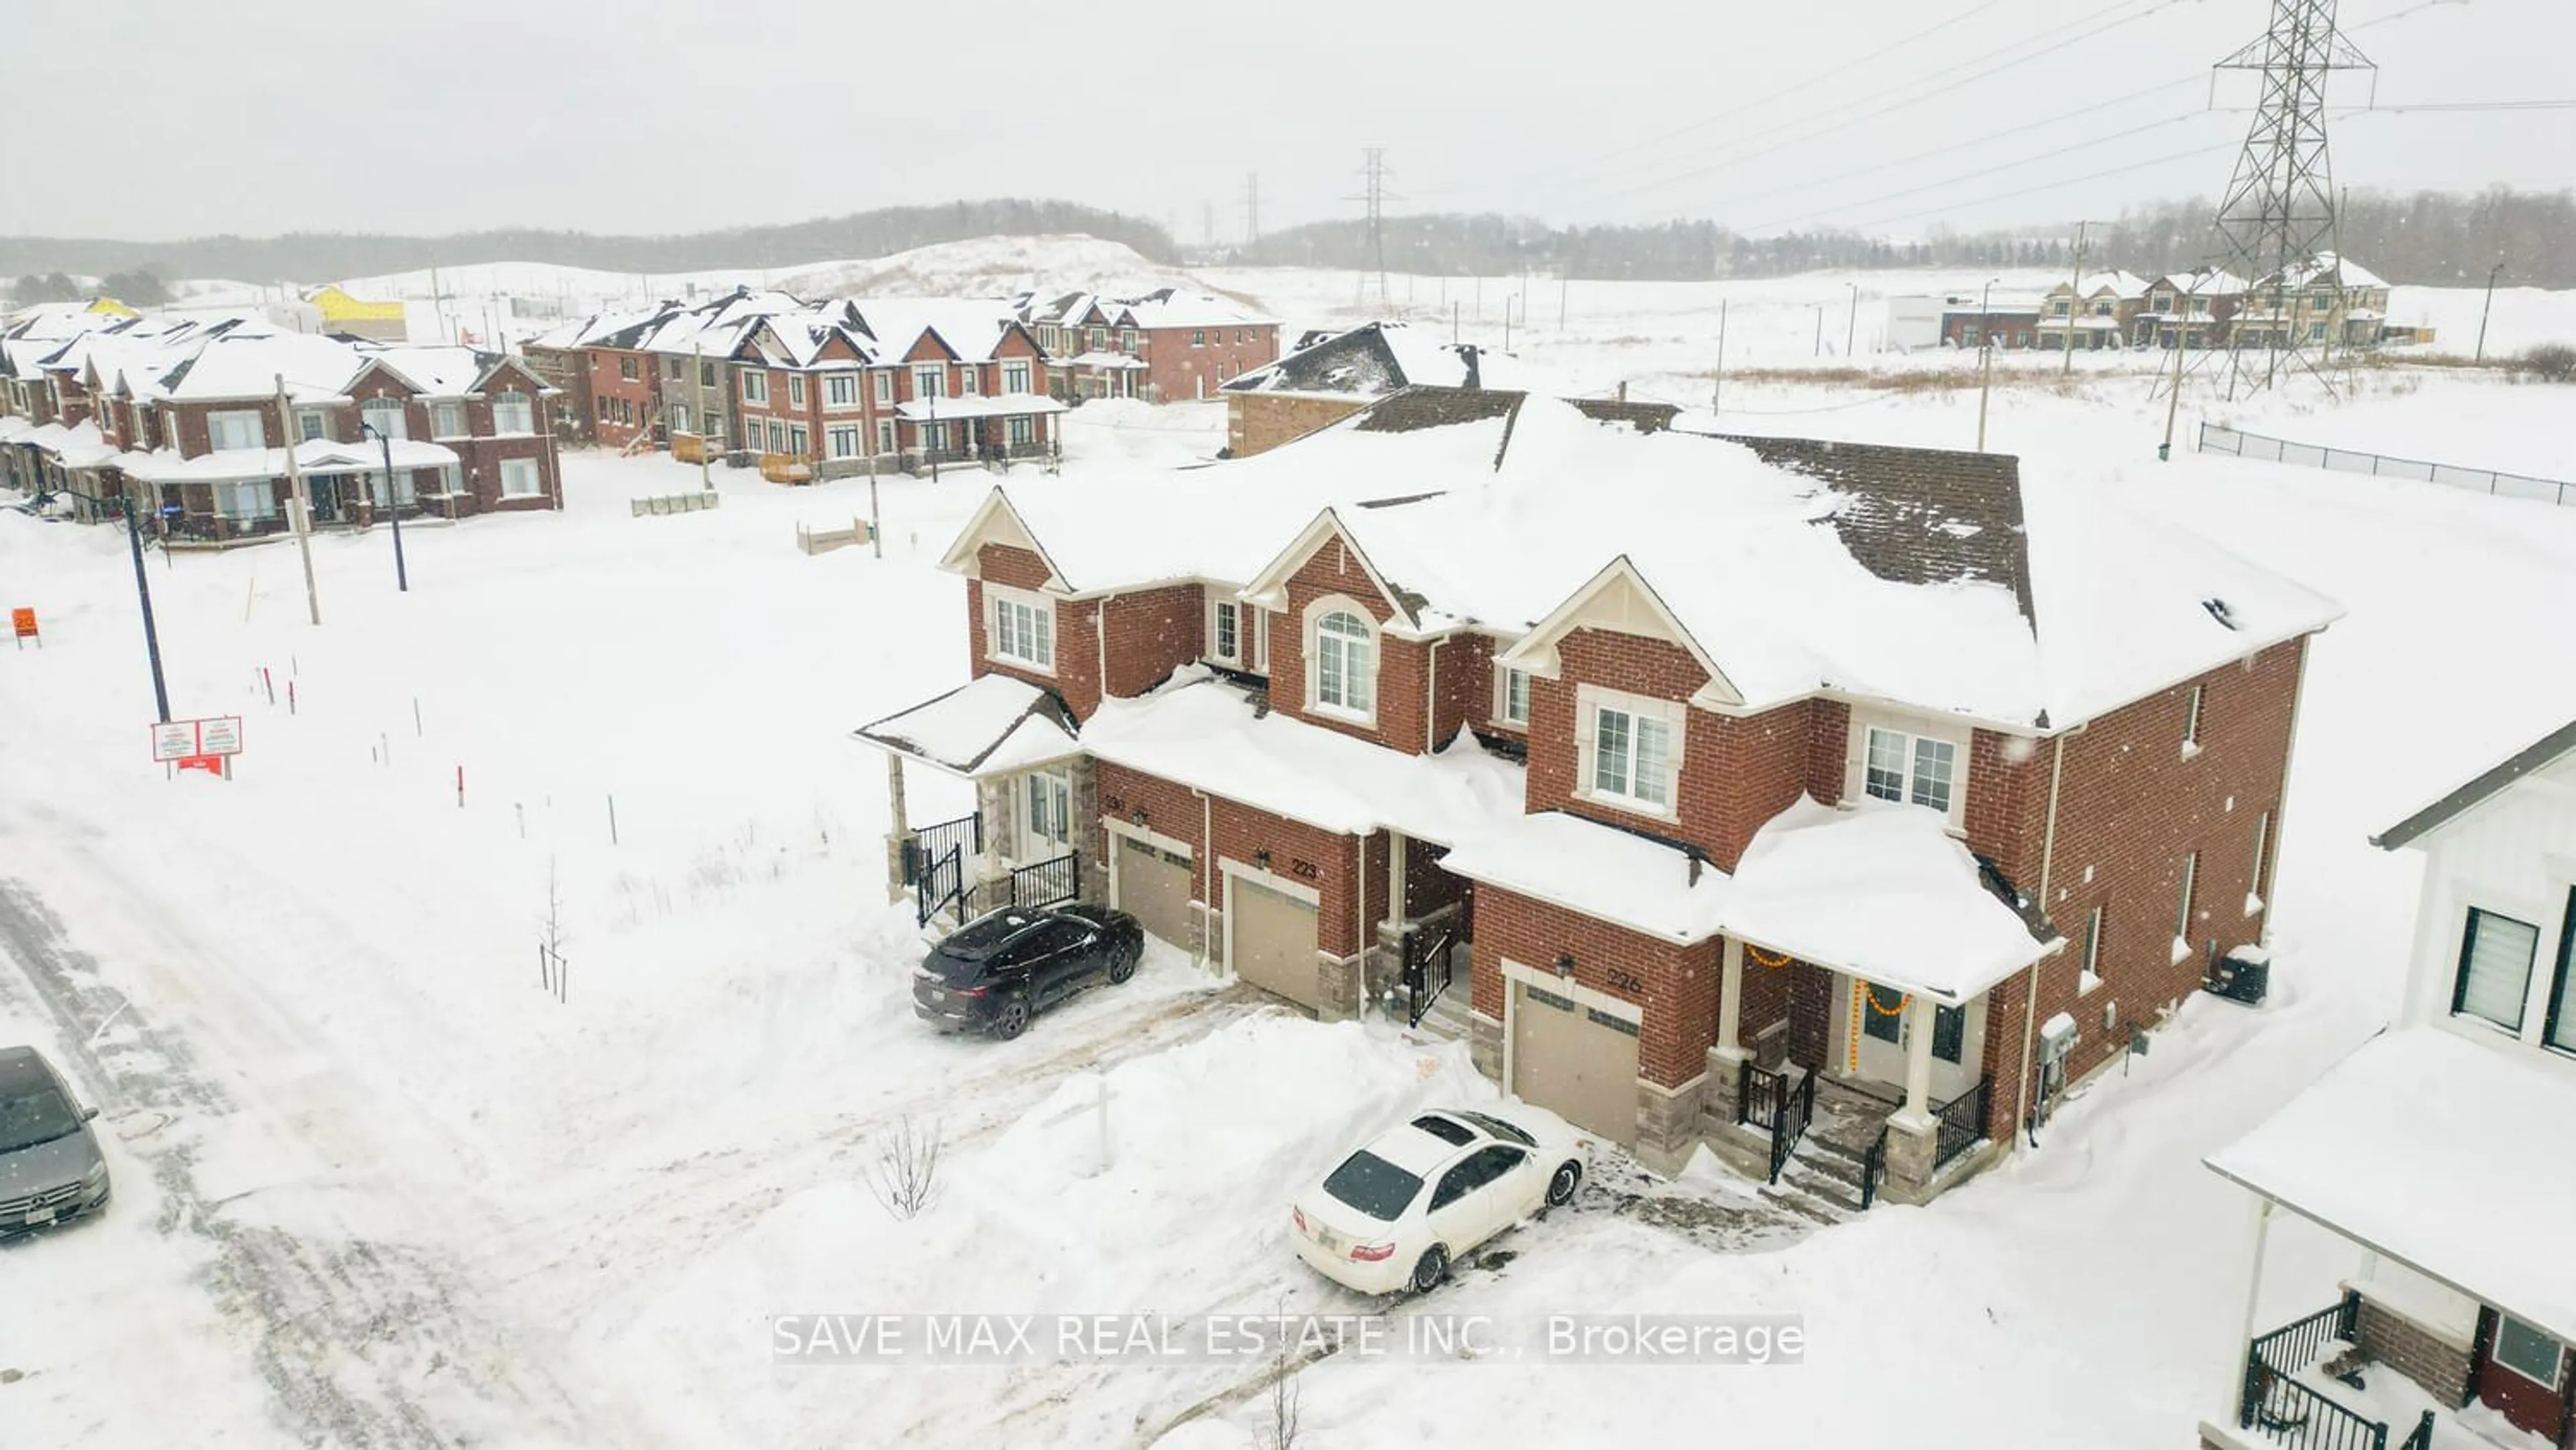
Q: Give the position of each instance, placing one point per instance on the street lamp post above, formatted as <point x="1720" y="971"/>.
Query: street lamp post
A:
<point x="1985" y="358"/>
<point x="2497" y="271"/>
<point x="1851" y="329"/>
<point x="143" y="592"/>
<point x="393" y="504"/>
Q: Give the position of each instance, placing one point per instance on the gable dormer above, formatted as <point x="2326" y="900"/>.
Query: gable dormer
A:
<point x="1345" y="648"/>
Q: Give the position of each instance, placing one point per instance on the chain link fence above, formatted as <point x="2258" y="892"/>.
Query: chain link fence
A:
<point x="2214" y="439"/>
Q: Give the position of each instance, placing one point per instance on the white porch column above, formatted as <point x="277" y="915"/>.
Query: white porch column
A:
<point x="2235" y="1373"/>
<point x="898" y="820"/>
<point x="1918" y="1057"/>
<point x="1730" y="998"/>
<point x="1395" y="913"/>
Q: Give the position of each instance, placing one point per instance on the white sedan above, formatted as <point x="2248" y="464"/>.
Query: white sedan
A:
<point x="1398" y="1211"/>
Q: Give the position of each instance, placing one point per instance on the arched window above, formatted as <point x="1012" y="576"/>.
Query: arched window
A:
<point x="385" y="415"/>
<point x="1345" y="663"/>
<point x="512" y="414"/>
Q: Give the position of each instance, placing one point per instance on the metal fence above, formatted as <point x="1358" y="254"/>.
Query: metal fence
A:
<point x="2214" y="439"/>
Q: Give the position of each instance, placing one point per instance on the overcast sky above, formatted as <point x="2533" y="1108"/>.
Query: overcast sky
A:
<point x="259" y="116"/>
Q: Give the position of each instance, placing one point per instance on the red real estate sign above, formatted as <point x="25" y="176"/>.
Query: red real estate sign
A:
<point x="197" y="744"/>
<point x="22" y="625"/>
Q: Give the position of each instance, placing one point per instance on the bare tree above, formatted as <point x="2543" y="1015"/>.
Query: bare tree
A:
<point x="551" y="942"/>
<point x="906" y="1172"/>
<point x="1281" y="1432"/>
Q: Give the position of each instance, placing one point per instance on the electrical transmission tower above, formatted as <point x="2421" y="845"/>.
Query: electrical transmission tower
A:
<point x="2279" y="213"/>
<point x="1373" y="174"/>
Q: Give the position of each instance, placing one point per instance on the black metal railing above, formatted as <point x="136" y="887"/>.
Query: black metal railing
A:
<point x="1429" y="963"/>
<point x="1963" y="1122"/>
<point x="966" y="834"/>
<point x="940" y="882"/>
<point x="2421" y="1437"/>
<point x="1873" y="1170"/>
<point x="1041" y="883"/>
<point x="2276" y="1403"/>
<point x="1775" y="1101"/>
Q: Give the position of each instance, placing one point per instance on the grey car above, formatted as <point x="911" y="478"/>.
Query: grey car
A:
<point x="51" y="1171"/>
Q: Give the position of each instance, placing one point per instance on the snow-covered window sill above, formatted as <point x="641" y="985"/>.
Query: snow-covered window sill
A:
<point x="1629" y="804"/>
<point x="2191" y="750"/>
<point x="2085" y="982"/>
<point x="2253" y="904"/>
<point x="2181" y="949"/>
<point x="1322" y="711"/>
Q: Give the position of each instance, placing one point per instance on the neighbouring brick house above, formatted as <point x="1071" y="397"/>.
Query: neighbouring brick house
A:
<point x="2440" y="1152"/>
<point x="2190" y="310"/>
<point x="186" y="420"/>
<point x="2010" y="323"/>
<point x="2329" y="300"/>
<point x="1732" y="773"/>
<point x="1163" y="346"/>
<point x="1334" y="375"/>
<point x="2097" y="309"/>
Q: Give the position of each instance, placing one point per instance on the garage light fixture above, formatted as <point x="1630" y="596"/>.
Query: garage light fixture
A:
<point x="1565" y="964"/>
<point x="1261" y="858"/>
<point x="1140" y="815"/>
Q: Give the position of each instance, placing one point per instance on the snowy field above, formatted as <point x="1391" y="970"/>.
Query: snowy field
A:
<point x="376" y="1187"/>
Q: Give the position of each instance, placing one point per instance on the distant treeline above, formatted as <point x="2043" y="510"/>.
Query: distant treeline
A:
<point x="2430" y="238"/>
<point x="320" y="256"/>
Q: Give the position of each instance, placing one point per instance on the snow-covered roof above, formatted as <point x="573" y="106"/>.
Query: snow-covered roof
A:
<point x="79" y="446"/>
<point x="314" y="456"/>
<point x="2093" y="284"/>
<point x="1105" y="360"/>
<point x="978" y="405"/>
<point x="2438" y="1152"/>
<point x="2332" y="269"/>
<point x="1933" y="924"/>
<point x="316" y="368"/>
<point x="991" y="725"/>
<point x="1169" y="307"/>
<point x="1379" y="358"/>
<point x="438" y="371"/>
<point x="1204" y="733"/>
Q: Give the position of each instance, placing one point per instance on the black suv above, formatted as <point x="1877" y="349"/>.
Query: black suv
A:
<point x="997" y="971"/>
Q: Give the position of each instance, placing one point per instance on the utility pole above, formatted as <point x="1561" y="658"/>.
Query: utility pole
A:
<point x="1717" y="385"/>
<point x="1820" y="332"/>
<point x="2074" y="299"/>
<point x="1851" y="329"/>
<point x="143" y="592"/>
<point x="1985" y="359"/>
<point x="393" y="507"/>
<point x="698" y="391"/>
<point x="2173" y="405"/>
<point x="2496" y="272"/>
<point x="298" y="501"/>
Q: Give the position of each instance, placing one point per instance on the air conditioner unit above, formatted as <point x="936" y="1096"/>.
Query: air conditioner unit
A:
<point x="2244" y="975"/>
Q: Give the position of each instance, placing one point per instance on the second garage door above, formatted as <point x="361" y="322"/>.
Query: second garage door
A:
<point x="1272" y="937"/>
<point x="1576" y="1061"/>
<point x="1154" y="887"/>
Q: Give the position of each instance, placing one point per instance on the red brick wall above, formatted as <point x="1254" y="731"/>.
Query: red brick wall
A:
<point x="1676" y="986"/>
<point x="1181" y="372"/>
<point x="2006" y="813"/>
<point x="1828" y="742"/>
<point x="1401" y="664"/>
<point x="1153" y="633"/>
<point x="1462" y="681"/>
<point x="639" y="396"/>
<point x="1077" y="634"/>
<point x="2129" y="806"/>
<point x="1170" y="810"/>
<point x="1299" y="852"/>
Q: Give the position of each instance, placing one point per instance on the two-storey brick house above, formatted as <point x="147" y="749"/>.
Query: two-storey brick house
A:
<point x="1728" y="767"/>
<point x="2440" y="1151"/>
<point x="1164" y="346"/>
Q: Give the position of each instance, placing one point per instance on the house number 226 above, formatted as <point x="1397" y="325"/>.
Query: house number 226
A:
<point x="1624" y="980"/>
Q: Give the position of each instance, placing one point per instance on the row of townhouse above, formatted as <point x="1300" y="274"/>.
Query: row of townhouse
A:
<point x="2331" y="300"/>
<point x="1753" y="782"/>
<point x="805" y="391"/>
<point x="1163" y="346"/>
<point x="2440" y="1154"/>
<point x="191" y="420"/>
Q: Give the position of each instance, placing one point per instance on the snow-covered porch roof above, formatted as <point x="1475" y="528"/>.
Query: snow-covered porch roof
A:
<point x="2444" y="1154"/>
<point x="314" y="457"/>
<point x="1103" y="360"/>
<point x="1879" y="891"/>
<point x="978" y="405"/>
<point x="989" y="726"/>
<point x="1200" y="732"/>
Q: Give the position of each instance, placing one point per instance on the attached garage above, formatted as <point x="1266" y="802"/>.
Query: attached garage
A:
<point x="1153" y="885"/>
<point x="1270" y="940"/>
<point x="1575" y="1059"/>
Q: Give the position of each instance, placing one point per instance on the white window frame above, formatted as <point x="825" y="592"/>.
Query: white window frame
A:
<point x="840" y="390"/>
<point x="930" y="380"/>
<point x="1672" y="715"/>
<point x="1020" y="430"/>
<point x="1316" y="613"/>
<point x="225" y="429"/>
<point x="1256" y="624"/>
<point x="319" y="418"/>
<point x="2192" y="702"/>
<point x="885" y="388"/>
<point x="2262" y="859"/>
<point x="2183" y="904"/>
<point x="513" y="418"/>
<point x="1019" y="628"/>
<point x="370" y="411"/>
<point x="2558" y="1365"/>
<point x="1225" y="616"/>
<point x="885" y="435"/>
<point x="798" y="440"/>
<point x="1911" y="741"/>
<point x="2090" y="975"/>
<point x="796" y="390"/>
<point x="447" y="420"/>
<point x="842" y="440"/>
<point x="1505" y="678"/>
<point x="970" y="381"/>
<point x="1016" y="374"/>
<point x="529" y="475"/>
<point x="679" y="417"/>
<point x="755" y="386"/>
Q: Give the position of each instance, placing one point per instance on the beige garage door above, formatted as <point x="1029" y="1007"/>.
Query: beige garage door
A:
<point x="1577" y="1061"/>
<point x="1154" y="887"/>
<point x="1273" y="941"/>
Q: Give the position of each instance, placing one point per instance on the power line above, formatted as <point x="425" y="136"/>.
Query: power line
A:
<point x="2049" y="186"/>
<point x="1987" y="171"/>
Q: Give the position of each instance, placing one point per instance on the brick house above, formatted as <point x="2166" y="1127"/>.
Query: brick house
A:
<point x="1331" y="377"/>
<point x="2439" y="1150"/>
<point x="2098" y="309"/>
<point x="2329" y="299"/>
<point x="1163" y="346"/>
<point x="2011" y="323"/>
<point x="2191" y="309"/>
<point x="1655" y="774"/>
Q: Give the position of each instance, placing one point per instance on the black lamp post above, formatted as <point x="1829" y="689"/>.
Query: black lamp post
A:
<point x="393" y="504"/>
<point x="2484" y="311"/>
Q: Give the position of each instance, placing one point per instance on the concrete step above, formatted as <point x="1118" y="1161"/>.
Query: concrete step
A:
<point x="1805" y="1205"/>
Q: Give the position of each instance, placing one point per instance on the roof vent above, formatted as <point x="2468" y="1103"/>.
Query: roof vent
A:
<point x="2219" y="611"/>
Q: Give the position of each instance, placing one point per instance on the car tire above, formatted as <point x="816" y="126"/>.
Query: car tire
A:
<point x="1560" y="1188"/>
<point x="1123" y="966"/>
<point x="1429" y="1270"/>
<point x="1012" y="1020"/>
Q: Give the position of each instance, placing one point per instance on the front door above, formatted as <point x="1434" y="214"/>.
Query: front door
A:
<point x="2524" y="1376"/>
<point x="1046" y="816"/>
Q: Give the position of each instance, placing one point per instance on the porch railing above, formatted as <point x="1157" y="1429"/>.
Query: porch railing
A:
<point x="1873" y="1169"/>
<point x="1429" y="963"/>
<point x="966" y="833"/>
<point x="1768" y="1099"/>
<point x="941" y="882"/>
<point x="1041" y="883"/>
<point x="1963" y="1122"/>
<point x="2276" y="1403"/>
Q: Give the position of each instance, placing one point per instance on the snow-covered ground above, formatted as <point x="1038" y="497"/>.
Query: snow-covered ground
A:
<point x="375" y="1185"/>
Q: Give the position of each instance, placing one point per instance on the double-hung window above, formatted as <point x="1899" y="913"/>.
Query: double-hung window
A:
<point x="387" y="416"/>
<point x="796" y="390"/>
<point x="1346" y="664"/>
<point x="1015" y="377"/>
<point x="970" y="381"/>
<point x="2496" y="957"/>
<point x="885" y="389"/>
<point x="1513" y="705"/>
<point x="521" y="478"/>
<point x="1910" y="769"/>
<point x="512" y="412"/>
<point x="311" y="425"/>
<point x="1634" y="752"/>
<point x="840" y="390"/>
<point x="843" y="440"/>
<point x="1023" y="629"/>
<point x="797" y="439"/>
<point x="755" y="386"/>
<point x="244" y="429"/>
<point x="447" y="420"/>
<point x="929" y="381"/>
<point x="1225" y="636"/>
